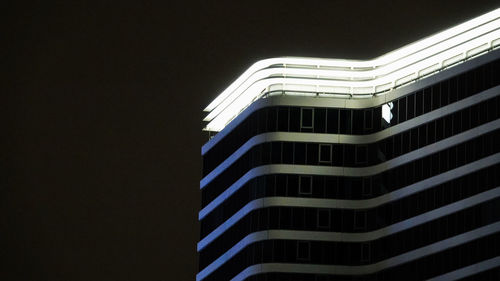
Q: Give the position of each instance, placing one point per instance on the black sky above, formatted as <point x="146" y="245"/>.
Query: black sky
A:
<point x="100" y="160"/>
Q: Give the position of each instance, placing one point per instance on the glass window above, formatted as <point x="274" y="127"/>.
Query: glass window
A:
<point x="303" y="250"/>
<point x="312" y="154"/>
<point x="361" y="154"/>
<point x="325" y="153"/>
<point x="272" y="117"/>
<point x="358" y="122"/>
<point x="300" y="153"/>
<point x="444" y="94"/>
<point x="359" y="220"/>
<point x="332" y="121"/>
<point x="276" y="152"/>
<point x="368" y="119"/>
<point x="365" y="252"/>
<point x="367" y="187"/>
<point x="306" y="118"/>
<point x="345" y="121"/>
<point x="283" y="119"/>
<point x="288" y="153"/>
<point x="436" y="96"/>
<point x="323" y="218"/>
<point x="410" y="107"/>
<point x="305" y="185"/>
<point x="294" y="119"/>
<point x="402" y="110"/>
<point x="427" y="100"/>
<point x="280" y="185"/>
<point x="320" y="120"/>
<point x="419" y="104"/>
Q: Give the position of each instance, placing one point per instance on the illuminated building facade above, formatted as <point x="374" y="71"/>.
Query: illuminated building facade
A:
<point x="388" y="169"/>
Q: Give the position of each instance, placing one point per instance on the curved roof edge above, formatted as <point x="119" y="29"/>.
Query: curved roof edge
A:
<point x="340" y="78"/>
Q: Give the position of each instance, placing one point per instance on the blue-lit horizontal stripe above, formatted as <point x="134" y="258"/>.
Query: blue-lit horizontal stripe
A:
<point x="469" y="270"/>
<point x="350" y="139"/>
<point x="349" y="237"/>
<point x="371" y="268"/>
<point x="397" y="194"/>
<point x="342" y="204"/>
<point x="348" y="171"/>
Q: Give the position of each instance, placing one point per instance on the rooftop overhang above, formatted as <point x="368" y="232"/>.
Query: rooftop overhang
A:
<point x="340" y="78"/>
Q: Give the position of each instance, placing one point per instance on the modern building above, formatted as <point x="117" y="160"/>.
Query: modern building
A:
<point x="387" y="169"/>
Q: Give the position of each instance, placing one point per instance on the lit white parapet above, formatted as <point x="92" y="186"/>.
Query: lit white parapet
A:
<point x="354" y="78"/>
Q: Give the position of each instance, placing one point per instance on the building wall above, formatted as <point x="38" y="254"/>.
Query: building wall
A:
<point x="306" y="189"/>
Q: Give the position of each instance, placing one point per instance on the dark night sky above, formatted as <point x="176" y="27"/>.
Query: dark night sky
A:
<point x="100" y="160"/>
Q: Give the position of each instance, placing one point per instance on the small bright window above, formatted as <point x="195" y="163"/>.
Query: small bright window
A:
<point x="386" y="112"/>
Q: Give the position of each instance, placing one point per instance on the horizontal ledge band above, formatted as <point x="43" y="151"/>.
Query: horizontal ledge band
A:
<point x="349" y="237"/>
<point x="314" y="102"/>
<point x="351" y="139"/>
<point x="397" y="194"/>
<point x="355" y="237"/>
<point x="371" y="268"/>
<point x="353" y="172"/>
<point x="468" y="270"/>
<point x="389" y="164"/>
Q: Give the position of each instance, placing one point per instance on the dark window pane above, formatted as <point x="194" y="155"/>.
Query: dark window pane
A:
<point x="300" y="153"/>
<point x="288" y="153"/>
<point x="332" y="123"/>
<point x="419" y="103"/>
<point x="368" y="119"/>
<point x="280" y="185"/>
<point x="283" y="119"/>
<point x="365" y="252"/>
<point x="453" y="95"/>
<point x="445" y="93"/>
<point x="271" y="119"/>
<point x="410" y="107"/>
<point x="305" y="184"/>
<point x="367" y="187"/>
<point x="276" y="152"/>
<point x="427" y="100"/>
<point x="394" y="112"/>
<point x="323" y="218"/>
<point x="325" y="153"/>
<point x="306" y="118"/>
<point x="312" y="154"/>
<point x="303" y="249"/>
<point x="402" y="110"/>
<point x="345" y="121"/>
<point x="436" y="96"/>
<point x="320" y="120"/>
<point x="357" y="123"/>
<point x="361" y="154"/>
<point x="294" y="119"/>
<point x="262" y="121"/>
<point x="359" y="220"/>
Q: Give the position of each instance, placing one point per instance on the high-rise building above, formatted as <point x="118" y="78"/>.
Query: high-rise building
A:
<point x="387" y="169"/>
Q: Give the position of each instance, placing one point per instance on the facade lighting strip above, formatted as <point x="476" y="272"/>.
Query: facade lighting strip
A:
<point x="353" y="78"/>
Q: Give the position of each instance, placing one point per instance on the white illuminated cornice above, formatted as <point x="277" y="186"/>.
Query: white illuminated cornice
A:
<point x="354" y="78"/>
